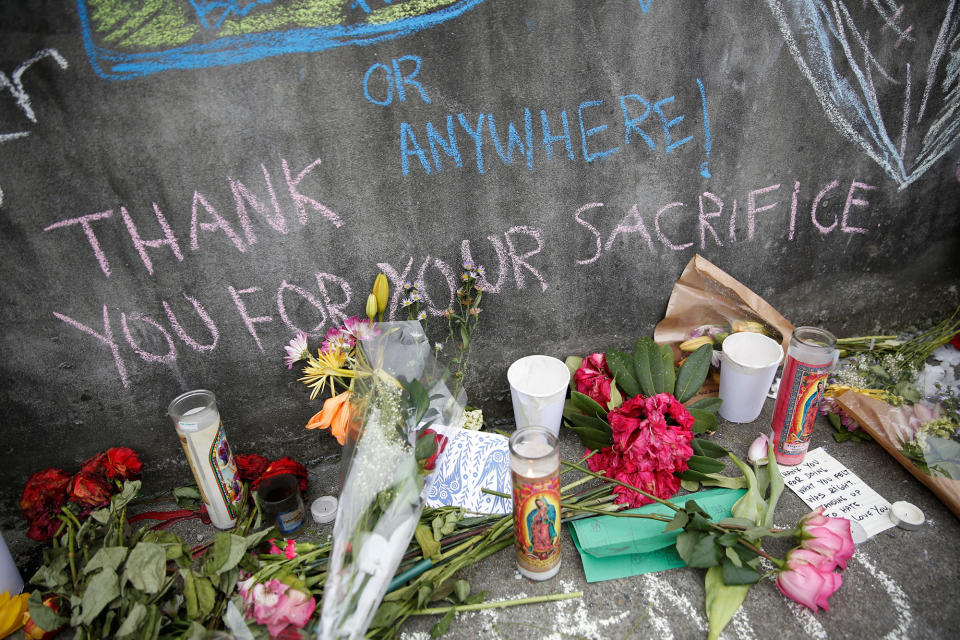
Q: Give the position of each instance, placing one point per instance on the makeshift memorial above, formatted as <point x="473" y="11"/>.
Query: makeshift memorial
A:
<point x="535" y="467"/>
<point x="200" y="430"/>
<point x="405" y="408"/>
<point x="810" y="359"/>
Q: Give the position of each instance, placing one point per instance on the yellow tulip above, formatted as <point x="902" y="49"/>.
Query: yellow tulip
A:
<point x="371" y="307"/>
<point x="11" y="612"/>
<point x="693" y="344"/>
<point x="381" y="289"/>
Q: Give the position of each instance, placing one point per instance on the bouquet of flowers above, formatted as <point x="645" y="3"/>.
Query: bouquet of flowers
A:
<point x="402" y="413"/>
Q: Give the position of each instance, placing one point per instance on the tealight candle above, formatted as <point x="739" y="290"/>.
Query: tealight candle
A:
<point x="535" y="467"/>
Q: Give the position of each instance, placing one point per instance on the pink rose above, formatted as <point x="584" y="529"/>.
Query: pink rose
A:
<point x="809" y="579"/>
<point x="830" y="537"/>
<point x="593" y="378"/>
<point x="276" y="605"/>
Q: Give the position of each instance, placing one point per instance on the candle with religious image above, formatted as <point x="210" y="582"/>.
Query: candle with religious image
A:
<point x="535" y="468"/>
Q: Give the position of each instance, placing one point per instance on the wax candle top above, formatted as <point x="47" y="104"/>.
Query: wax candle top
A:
<point x="533" y="452"/>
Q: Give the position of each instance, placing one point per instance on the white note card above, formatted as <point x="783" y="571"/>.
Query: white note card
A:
<point x="821" y="480"/>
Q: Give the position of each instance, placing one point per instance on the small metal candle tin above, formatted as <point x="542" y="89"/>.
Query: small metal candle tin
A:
<point x="535" y="467"/>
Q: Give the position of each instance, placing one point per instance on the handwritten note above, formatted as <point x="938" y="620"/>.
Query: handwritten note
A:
<point x="820" y="480"/>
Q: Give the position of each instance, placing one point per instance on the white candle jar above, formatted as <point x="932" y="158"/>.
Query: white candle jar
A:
<point x="535" y="467"/>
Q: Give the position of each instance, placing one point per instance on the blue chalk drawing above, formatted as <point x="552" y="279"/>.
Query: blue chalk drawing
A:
<point x="191" y="34"/>
<point x="839" y="58"/>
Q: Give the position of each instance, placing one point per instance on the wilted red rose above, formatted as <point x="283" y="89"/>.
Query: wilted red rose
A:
<point x="122" y="463"/>
<point x="250" y="466"/>
<point x="441" y="441"/>
<point x="89" y="490"/>
<point x="285" y="465"/>
<point x="44" y="527"/>
<point x="955" y="340"/>
<point x="96" y="465"/>
<point x="45" y="491"/>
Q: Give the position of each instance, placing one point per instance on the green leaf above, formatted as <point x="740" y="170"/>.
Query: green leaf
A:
<point x="425" y="538"/>
<point x="386" y="614"/>
<point x="693" y="373"/>
<point x="680" y="520"/>
<point x="751" y="505"/>
<point x="138" y="613"/>
<point x="228" y="550"/>
<point x="692" y="475"/>
<point x="669" y="372"/>
<point x="703" y="421"/>
<point x="643" y="365"/>
<point x="728" y="482"/>
<point x="587" y="405"/>
<point x="703" y="447"/>
<point x="146" y="567"/>
<point x="732" y="556"/>
<point x="423" y="595"/>
<point x="685" y="543"/>
<point x="705" y="553"/>
<point x="742" y="575"/>
<point x="443" y="626"/>
<point x="776" y="488"/>
<point x="729" y="539"/>
<point x="42" y="615"/>
<point x="710" y="405"/>
<point x="187" y="496"/>
<point x="703" y="464"/>
<point x="594" y="433"/>
<point x="476" y="598"/>
<point x="462" y="590"/>
<point x="722" y="601"/>
<point x="573" y="363"/>
<point x="426" y="446"/>
<point x="103" y="588"/>
<point x="190" y="592"/>
<point x="616" y="398"/>
<point x="621" y="366"/>
<point x="107" y="557"/>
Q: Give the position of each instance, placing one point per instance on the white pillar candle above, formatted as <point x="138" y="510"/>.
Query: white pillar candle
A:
<point x="535" y="467"/>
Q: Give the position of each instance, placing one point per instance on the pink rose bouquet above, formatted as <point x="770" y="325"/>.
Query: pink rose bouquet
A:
<point x="830" y="537"/>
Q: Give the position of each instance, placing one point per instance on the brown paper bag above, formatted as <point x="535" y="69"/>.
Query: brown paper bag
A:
<point x="884" y="423"/>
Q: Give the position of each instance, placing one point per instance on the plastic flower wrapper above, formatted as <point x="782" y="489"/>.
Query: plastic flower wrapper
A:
<point x="399" y="397"/>
<point x="923" y="438"/>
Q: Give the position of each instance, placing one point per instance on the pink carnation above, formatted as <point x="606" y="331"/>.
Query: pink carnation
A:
<point x="651" y="441"/>
<point x="593" y="378"/>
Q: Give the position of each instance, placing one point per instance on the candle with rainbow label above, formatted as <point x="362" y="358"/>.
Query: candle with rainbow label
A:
<point x="535" y="468"/>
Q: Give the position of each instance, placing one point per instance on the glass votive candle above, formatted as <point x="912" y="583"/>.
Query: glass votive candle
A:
<point x="281" y="502"/>
<point x="535" y="469"/>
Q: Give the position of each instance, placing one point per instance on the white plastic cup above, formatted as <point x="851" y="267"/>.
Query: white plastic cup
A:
<point x="747" y="369"/>
<point x="538" y="385"/>
<point x="10" y="580"/>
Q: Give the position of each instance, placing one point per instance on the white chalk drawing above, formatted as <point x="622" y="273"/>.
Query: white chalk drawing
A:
<point x="14" y="84"/>
<point x="844" y="57"/>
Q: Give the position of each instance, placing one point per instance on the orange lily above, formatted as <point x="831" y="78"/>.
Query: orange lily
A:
<point x="335" y="416"/>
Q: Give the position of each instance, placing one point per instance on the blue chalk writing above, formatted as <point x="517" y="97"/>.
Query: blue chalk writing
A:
<point x="669" y="124"/>
<point x="407" y="138"/>
<point x="549" y="140"/>
<point x="388" y="84"/>
<point x="586" y="133"/>
<point x="448" y="144"/>
<point x="705" y="166"/>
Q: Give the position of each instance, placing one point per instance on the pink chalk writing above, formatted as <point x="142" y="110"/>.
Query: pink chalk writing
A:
<point x="243" y="196"/>
<point x="204" y="317"/>
<point x="520" y="262"/>
<point x="84" y="222"/>
<point x="218" y="223"/>
<point x="106" y="338"/>
<point x="301" y="201"/>
<point x="663" y="238"/>
<point x="248" y="320"/>
<point x="631" y="223"/>
<point x="142" y="245"/>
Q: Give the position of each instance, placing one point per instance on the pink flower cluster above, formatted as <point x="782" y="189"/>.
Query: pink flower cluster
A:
<point x="275" y="605"/>
<point x="593" y="378"/>
<point x="651" y="441"/>
<point x="810" y="577"/>
<point x="343" y="338"/>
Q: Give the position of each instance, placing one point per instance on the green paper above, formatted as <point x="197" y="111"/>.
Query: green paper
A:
<point x="613" y="547"/>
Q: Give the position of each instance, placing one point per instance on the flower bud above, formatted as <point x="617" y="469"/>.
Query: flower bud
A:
<point x="381" y="289"/>
<point x="759" y="449"/>
<point x="747" y="326"/>
<point x="693" y="344"/>
<point x="371" y="306"/>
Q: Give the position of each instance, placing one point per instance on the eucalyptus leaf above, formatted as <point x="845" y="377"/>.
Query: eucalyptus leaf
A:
<point x="693" y="373"/>
<point x="621" y="367"/>
<point x="643" y="366"/>
<point x="102" y="589"/>
<point x="146" y="567"/>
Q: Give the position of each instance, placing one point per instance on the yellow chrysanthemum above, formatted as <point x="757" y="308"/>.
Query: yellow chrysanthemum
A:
<point x="326" y="369"/>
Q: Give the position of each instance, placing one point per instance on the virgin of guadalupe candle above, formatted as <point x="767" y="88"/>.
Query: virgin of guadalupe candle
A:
<point x="535" y="466"/>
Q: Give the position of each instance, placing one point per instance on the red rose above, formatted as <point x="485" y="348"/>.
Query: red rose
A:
<point x="45" y="491"/>
<point x="96" y="465"/>
<point x="593" y="378"/>
<point x="44" y="527"/>
<point x="955" y="341"/>
<point x="250" y="466"/>
<point x="441" y="442"/>
<point x="122" y="463"/>
<point x="89" y="490"/>
<point x="651" y="441"/>
<point x="285" y="465"/>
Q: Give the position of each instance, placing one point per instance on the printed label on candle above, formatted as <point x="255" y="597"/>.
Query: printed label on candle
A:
<point x="536" y="522"/>
<point x="225" y="471"/>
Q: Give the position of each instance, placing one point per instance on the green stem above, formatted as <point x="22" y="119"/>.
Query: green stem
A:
<point x="622" y="484"/>
<point x="620" y="514"/>
<point x="497" y="604"/>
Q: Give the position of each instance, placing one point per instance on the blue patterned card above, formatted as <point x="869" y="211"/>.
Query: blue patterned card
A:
<point x="472" y="461"/>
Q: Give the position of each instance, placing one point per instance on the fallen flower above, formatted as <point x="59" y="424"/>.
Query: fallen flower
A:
<point x="593" y="378"/>
<point x="89" y="490"/>
<point x="122" y="463"/>
<point x="11" y="612"/>
<point x="809" y="579"/>
<point x="830" y="537"/>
